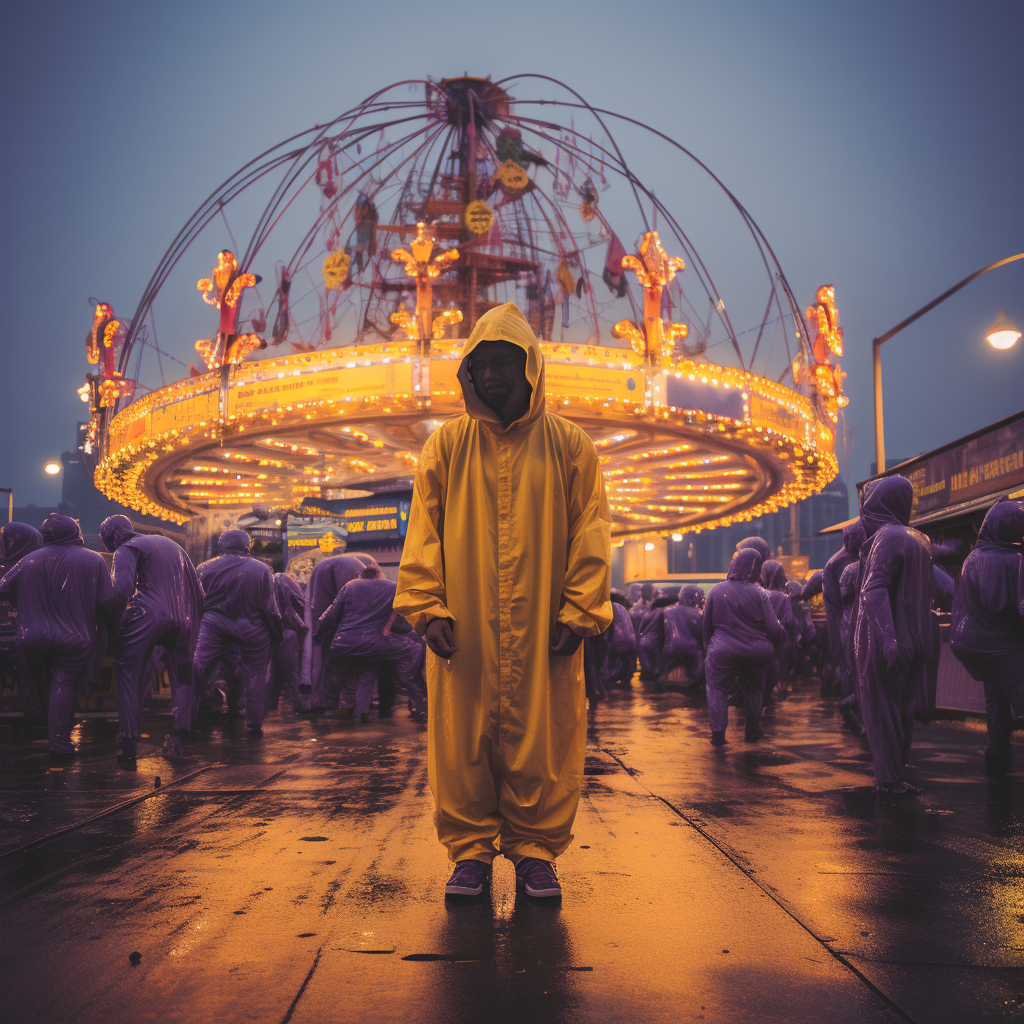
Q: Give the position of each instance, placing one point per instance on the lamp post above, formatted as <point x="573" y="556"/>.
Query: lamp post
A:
<point x="1002" y="334"/>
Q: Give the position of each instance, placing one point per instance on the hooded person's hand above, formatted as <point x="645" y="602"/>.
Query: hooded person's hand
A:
<point x="891" y="652"/>
<point x="564" y="642"/>
<point x="440" y="638"/>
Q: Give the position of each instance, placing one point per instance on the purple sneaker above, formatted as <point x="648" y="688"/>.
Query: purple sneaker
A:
<point x="537" y="877"/>
<point x="468" y="878"/>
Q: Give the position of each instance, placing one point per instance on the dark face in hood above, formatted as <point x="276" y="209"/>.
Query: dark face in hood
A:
<point x="745" y="566"/>
<point x="890" y="501"/>
<point x="16" y="541"/>
<point x="1003" y="526"/>
<point x="58" y="529"/>
<point x="233" y="542"/>
<point x="853" y="537"/>
<point x="115" y="530"/>
<point x="691" y="596"/>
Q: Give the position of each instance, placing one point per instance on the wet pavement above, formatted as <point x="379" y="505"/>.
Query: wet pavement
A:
<point x="297" y="878"/>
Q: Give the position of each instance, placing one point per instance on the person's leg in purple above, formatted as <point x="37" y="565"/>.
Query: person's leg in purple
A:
<point x="883" y="708"/>
<point x="719" y="678"/>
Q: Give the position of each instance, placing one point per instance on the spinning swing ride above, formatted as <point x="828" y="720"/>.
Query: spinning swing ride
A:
<point x="406" y="219"/>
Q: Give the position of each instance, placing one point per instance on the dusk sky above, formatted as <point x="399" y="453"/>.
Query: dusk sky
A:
<point x="880" y="146"/>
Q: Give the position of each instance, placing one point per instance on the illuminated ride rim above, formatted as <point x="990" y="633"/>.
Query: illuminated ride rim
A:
<point x="418" y="210"/>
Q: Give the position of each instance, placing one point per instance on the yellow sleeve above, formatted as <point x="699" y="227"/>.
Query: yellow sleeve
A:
<point x="421" y="594"/>
<point x="586" y="593"/>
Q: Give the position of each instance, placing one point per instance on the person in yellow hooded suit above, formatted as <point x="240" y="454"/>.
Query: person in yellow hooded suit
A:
<point x="507" y="567"/>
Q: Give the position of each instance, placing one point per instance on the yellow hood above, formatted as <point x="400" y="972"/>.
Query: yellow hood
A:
<point x="504" y="323"/>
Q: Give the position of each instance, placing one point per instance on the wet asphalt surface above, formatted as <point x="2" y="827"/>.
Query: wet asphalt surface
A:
<point x="297" y="878"/>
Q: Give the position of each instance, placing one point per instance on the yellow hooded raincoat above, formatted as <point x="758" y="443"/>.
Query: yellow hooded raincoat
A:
<point x="509" y="532"/>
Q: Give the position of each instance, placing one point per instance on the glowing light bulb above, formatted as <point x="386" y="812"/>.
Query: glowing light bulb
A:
<point x="1004" y="333"/>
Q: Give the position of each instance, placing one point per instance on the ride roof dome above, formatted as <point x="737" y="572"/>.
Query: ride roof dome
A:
<point x="375" y="242"/>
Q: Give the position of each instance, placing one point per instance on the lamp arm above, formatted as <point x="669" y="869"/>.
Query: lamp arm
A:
<point x="942" y="298"/>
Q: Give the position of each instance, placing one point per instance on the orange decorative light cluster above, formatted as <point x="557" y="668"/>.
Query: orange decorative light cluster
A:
<point x="666" y="468"/>
<point x="216" y="291"/>
<point x="424" y="265"/>
<point x="826" y="378"/>
<point x="654" y="269"/>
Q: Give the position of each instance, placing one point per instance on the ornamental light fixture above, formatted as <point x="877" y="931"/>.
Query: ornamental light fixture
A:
<point x="52" y="468"/>
<point x="1004" y="332"/>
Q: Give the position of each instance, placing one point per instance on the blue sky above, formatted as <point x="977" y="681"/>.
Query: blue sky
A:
<point x="878" y="145"/>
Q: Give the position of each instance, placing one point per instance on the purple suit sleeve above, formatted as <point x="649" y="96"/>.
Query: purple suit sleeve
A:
<point x="328" y="624"/>
<point x="776" y="631"/>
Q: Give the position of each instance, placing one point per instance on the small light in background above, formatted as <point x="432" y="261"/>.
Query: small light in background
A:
<point x="52" y="468"/>
<point x="677" y="537"/>
<point x="649" y="546"/>
<point x="1004" y="332"/>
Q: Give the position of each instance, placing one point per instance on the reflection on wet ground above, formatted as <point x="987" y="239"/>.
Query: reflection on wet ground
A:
<point x="296" y="878"/>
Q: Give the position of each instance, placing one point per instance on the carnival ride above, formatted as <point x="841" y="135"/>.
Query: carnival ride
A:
<point x="406" y="220"/>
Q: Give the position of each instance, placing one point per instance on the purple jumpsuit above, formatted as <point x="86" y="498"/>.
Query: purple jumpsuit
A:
<point x="325" y="583"/>
<point x="67" y="612"/>
<point x="853" y="537"/>
<point x="286" y="656"/>
<point x="157" y="585"/>
<point x="16" y="541"/>
<point x="741" y="635"/>
<point x="684" y="635"/>
<point x="620" y="651"/>
<point x="363" y="632"/>
<point x="773" y="579"/>
<point x="240" y="620"/>
<point x="988" y="624"/>
<point x="652" y="636"/>
<point x="892" y="626"/>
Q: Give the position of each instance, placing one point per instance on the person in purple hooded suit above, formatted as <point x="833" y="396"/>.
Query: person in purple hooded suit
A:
<point x="365" y="633"/>
<point x="741" y="636"/>
<point x="988" y="624"/>
<point x="325" y="583"/>
<point x="892" y="627"/>
<point x="67" y="611"/>
<point x="157" y="586"/>
<point x="773" y="579"/>
<point x="240" y="621"/>
<point x="684" y="636"/>
<point x="853" y="537"/>
<point x="16" y="541"/>
<point x="286" y="656"/>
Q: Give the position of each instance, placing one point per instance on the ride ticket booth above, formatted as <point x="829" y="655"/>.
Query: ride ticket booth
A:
<point x="954" y="487"/>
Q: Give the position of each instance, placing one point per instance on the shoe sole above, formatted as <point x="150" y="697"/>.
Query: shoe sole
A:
<point x="541" y="894"/>
<point x="462" y="890"/>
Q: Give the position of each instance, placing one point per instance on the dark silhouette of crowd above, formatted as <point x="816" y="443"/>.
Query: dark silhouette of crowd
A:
<point x="231" y="636"/>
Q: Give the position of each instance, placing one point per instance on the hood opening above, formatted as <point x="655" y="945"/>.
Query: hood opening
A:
<point x="504" y="323"/>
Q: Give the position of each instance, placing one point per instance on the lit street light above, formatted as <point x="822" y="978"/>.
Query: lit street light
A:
<point x="1004" y="332"/>
<point x="52" y="468"/>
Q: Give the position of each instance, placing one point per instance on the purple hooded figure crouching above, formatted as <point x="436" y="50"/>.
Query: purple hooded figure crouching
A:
<point x="240" y="620"/>
<point x="67" y="611"/>
<point x="741" y="636"/>
<point x="892" y="627"/>
<point x="159" y="590"/>
<point x="988" y="624"/>
<point x="364" y="633"/>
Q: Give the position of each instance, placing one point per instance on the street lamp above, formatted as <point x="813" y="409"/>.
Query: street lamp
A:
<point x="52" y="468"/>
<point x="1002" y="334"/>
